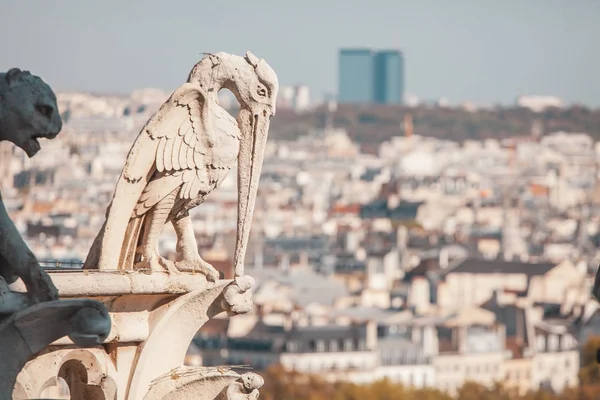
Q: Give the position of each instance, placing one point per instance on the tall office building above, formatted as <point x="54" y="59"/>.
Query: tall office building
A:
<point x="356" y="70"/>
<point x="370" y="76"/>
<point x="388" y="74"/>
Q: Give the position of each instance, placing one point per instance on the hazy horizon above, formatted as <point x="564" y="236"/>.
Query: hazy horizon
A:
<point x="469" y="50"/>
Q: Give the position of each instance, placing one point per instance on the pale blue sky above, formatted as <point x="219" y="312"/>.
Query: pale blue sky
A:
<point x="485" y="51"/>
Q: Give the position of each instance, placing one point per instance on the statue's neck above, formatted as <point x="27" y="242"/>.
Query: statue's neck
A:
<point x="213" y="82"/>
<point x="214" y="74"/>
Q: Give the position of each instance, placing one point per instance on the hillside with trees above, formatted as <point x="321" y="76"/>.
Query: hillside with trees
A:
<point x="373" y="124"/>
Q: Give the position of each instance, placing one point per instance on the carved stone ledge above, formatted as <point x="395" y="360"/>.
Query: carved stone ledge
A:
<point x="94" y="283"/>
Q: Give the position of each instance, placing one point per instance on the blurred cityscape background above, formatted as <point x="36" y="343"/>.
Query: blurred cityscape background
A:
<point x="426" y="241"/>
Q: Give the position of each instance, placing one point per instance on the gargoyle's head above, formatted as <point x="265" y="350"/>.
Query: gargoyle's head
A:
<point x="28" y="110"/>
<point x="252" y="381"/>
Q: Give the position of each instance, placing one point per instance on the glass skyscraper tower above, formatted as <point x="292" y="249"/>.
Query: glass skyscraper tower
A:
<point x="369" y="76"/>
<point x="356" y="68"/>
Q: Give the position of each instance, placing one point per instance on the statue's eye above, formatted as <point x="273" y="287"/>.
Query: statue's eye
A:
<point x="262" y="92"/>
<point x="44" y="109"/>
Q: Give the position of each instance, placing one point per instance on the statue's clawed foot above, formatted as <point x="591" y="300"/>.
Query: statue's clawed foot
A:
<point x="157" y="263"/>
<point x="197" y="264"/>
<point x="237" y="296"/>
<point x="11" y="302"/>
<point x="40" y="287"/>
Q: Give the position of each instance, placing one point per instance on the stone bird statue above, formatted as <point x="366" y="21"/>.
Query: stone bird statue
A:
<point x="181" y="155"/>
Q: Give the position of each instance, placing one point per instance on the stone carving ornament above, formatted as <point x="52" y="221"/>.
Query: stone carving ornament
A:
<point x="219" y="383"/>
<point x="28" y="112"/>
<point x="31" y="321"/>
<point x="181" y="155"/>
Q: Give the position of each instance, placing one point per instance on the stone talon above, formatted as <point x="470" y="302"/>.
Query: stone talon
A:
<point x="237" y="296"/>
<point x="198" y="265"/>
<point x="157" y="263"/>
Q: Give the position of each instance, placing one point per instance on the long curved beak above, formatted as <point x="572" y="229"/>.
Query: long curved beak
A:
<point x="255" y="129"/>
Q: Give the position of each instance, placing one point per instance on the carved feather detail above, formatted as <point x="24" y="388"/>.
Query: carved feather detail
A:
<point x="184" y="153"/>
<point x="179" y="137"/>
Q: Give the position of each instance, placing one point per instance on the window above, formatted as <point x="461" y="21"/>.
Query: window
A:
<point x="320" y="345"/>
<point x="568" y="342"/>
<point x="333" y="345"/>
<point x="291" y="346"/>
<point x="348" y="345"/>
<point x="540" y="343"/>
<point x="553" y="343"/>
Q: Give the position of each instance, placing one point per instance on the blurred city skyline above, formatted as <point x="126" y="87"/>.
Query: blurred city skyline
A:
<point x="482" y="52"/>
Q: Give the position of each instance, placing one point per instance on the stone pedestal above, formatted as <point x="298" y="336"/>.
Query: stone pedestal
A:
<point x="154" y="319"/>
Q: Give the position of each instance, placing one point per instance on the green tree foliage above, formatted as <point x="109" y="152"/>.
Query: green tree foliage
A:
<point x="287" y="385"/>
<point x="371" y="125"/>
<point x="589" y="373"/>
<point x="282" y="385"/>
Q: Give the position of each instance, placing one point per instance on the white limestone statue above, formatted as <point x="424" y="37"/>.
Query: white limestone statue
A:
<point x="28" y="112"/>
<point x="181" y="155"/>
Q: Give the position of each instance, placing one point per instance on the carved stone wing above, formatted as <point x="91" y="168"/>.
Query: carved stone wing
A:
<point x="167" y="126"/>
<point x="183" y="142"/>
<point x="181" y="134"/>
